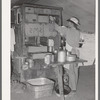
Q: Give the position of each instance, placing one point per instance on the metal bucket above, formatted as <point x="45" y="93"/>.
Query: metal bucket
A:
<point x="40" y="87"/>
<point x="47" y="59"/>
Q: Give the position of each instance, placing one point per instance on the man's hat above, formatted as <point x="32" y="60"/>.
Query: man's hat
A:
<point x="74" y="20"/>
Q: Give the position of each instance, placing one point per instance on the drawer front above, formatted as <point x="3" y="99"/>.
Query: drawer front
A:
<point x="29" y="9"/>
<point x="43" y="19"/>
<point x="55" y="12"/>
<point x="38" y="10"/>
<point x="47" y="11"/>
<point x="31" y="17"/>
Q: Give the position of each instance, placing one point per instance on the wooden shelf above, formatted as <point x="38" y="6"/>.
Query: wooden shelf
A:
<point x="68" y="62"/>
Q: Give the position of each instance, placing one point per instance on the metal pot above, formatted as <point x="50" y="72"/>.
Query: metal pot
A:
<point x="71" y="57"/>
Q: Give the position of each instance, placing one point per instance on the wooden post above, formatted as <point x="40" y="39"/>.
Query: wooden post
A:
<point x="21" y="70"/>
<point x="60" y="81"/>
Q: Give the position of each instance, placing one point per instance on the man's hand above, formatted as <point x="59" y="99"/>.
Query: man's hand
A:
<point x="52" y="18"/>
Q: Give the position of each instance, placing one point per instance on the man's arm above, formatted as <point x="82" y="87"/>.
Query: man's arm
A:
<point x="58" y="28"/>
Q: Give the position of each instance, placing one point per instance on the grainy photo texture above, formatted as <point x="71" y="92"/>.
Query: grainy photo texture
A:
<point x="52" y="50"/>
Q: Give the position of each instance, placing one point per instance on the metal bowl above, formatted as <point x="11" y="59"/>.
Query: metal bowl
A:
<point x="40" y="87"/>
<point x="67" y="89"/>
<point x="71" y="57"/>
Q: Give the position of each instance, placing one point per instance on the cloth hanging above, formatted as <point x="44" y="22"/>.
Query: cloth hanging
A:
<point x="12" y="39"/>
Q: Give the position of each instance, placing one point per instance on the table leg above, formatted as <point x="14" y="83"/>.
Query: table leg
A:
<point x="60" y="81"/>
<point x="22" y="79"/>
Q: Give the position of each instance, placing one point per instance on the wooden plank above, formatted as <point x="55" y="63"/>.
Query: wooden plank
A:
<point x="60" y="81"/>
<point x="55" y="64"/>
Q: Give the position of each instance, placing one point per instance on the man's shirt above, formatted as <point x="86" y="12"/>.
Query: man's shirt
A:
<point x="71" y="34"/>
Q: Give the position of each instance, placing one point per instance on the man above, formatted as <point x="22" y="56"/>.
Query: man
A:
<point x="72" y="35"/>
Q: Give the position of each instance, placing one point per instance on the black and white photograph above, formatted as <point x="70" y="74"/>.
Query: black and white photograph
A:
<point x="52" y="50"/>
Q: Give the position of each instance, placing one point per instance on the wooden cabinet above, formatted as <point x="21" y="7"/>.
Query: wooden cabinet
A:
<point x="33" y="25"/>
<point x="34" y="21"/>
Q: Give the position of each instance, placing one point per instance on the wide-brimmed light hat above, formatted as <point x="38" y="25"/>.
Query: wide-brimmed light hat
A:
<point x="74" y="20"/>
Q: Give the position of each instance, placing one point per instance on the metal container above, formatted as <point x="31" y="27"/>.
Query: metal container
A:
<point x="47" y="59"/>
<point x="50" y="48"/>
<point x="40" y="87"/>
<point x="50" y="45"/>
<point x="50" y="42"/>
<point x="52" y="58"/>
<point x="61" y="56"/>
<point x="71" y="57"/>
<point x="31" y="63"/>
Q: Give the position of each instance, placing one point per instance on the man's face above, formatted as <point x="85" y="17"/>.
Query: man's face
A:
<point x="70" y="24"/>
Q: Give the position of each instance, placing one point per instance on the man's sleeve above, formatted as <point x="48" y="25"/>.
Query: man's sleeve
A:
<point x="60" y="29"/>
<point x="81" y="37"/>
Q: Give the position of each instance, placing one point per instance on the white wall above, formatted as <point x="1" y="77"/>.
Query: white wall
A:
<point x="88" y="50"/>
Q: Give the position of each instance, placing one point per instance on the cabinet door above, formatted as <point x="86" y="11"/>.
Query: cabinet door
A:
<point x="43" y="19"/>
<point x="38" y="10"/>
<point x="19" y="40"/>
<point x="29" y="9"/>
<point x="55" y="12"/>
<point x="33" y="29"/>
<point x="47" y="11"/>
